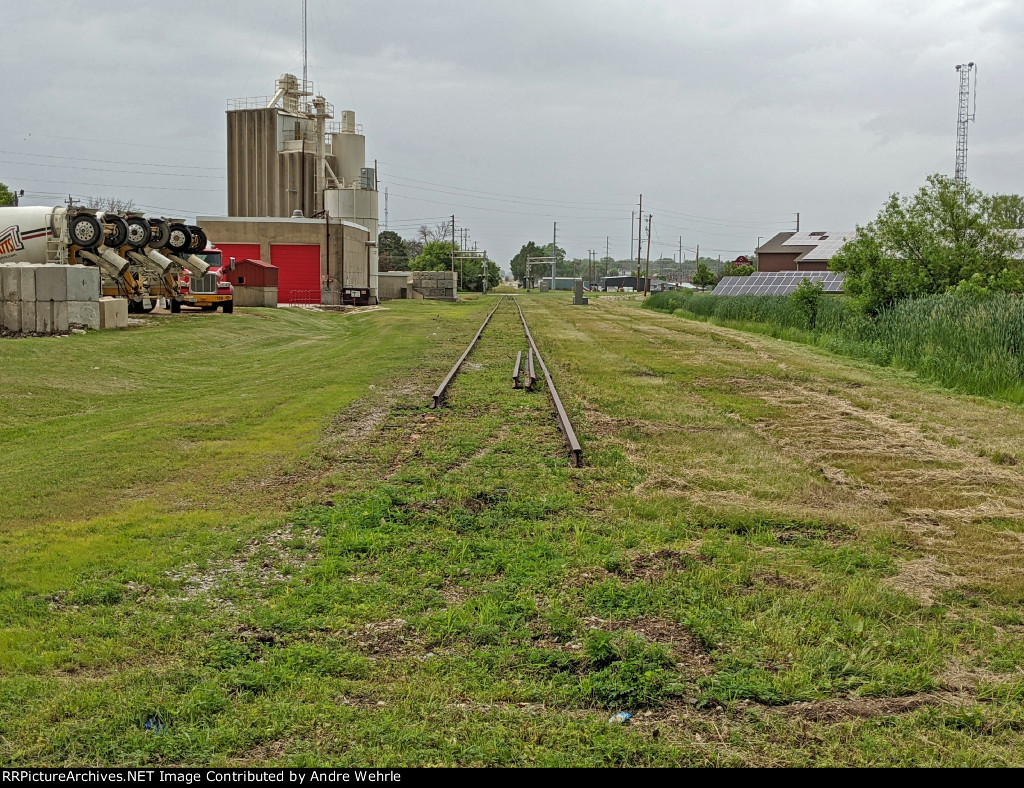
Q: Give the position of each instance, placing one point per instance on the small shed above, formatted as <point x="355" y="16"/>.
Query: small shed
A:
<point x="255" y="283"/>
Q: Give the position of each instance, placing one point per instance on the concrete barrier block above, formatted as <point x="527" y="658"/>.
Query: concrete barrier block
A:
<point x="28" y="317"/>
<point x="84" y="314"/>
<point x="10" y="280"/>
<point x="83" y="283"/>
<point x="27" y="283"/>
<point x="113" y="312"/>
<point x="61" y="314"/>
<point x="44" y="317"/>
<point x="11" y="311"/>
<point x="51" y="283"/>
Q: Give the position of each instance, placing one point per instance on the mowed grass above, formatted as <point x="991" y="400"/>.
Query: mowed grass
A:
<point x="772" y="556"/>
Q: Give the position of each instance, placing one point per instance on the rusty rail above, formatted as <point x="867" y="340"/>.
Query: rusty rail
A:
<point x="575" y="450"/>
<point x="443" y="388"/>
<point x="564" y="425"/>
<point x="518" y="371"/>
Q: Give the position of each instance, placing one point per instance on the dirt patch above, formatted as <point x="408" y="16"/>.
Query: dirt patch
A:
<point x="686" y="650"/>
<point x="654" y="566"/>
<point x="262" y="562"/>
<point x="775" y="580"/>
<point x="846" y="709"/>
<point x="923" y="579"/>
<point x="387" y="639"/>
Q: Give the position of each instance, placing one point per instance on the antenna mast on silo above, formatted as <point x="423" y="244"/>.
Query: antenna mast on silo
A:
<point x="305" y="43"/>
<point x="965" y="115"/>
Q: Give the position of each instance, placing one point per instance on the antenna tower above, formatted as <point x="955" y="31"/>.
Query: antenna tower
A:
<point x="965" y="115"/>
<point x="305" y="43"/>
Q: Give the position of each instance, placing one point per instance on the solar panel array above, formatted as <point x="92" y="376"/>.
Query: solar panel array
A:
<point x="825" y="244"/>
<point x="777" y="283"/>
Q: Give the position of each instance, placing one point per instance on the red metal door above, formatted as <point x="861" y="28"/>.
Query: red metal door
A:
<point x="298" y="272"/>
<point x="239" y="252"/>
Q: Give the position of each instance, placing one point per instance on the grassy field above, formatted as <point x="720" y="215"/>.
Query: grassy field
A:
<point x="973" y="344"/>
<point x="244" y="540"/>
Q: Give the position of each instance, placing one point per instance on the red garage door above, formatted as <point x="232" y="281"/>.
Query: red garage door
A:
<point x="298" y="272"/>
<point x="239" y="252"/>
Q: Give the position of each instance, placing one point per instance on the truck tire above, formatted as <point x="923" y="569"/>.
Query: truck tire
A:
<point x="85" y="231"/>
<point x="175" y="307"/>
<point x="181" y="239"/>
<point x="229" y="307"/>
<point x="117" y="231"/>
<point x="139" y="232"/>
<point x="161" y="233"/>
<point x="199" y="240"/>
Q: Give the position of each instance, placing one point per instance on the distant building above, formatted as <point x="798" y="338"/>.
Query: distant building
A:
<point x="290" y="167"/>
<point x="628" y="284"/>
<point x="801" y="251"/>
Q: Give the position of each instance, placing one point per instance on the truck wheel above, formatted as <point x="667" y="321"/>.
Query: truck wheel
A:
<point x="139" y="232"/>
<point x="85" y="231"/>
<point x="175" y="307"/>
<point x="181" y="239"/>
<point x="198" y="240"/>
<point x="161" y="233"/>
<point x="117" y="231"/>
<point x="229" y="307"/>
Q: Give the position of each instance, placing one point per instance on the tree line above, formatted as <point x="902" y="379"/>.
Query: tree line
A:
<point x="431" y="250"/>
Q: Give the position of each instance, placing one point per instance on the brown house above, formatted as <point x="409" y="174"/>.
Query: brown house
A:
<point x="801" y="251"/>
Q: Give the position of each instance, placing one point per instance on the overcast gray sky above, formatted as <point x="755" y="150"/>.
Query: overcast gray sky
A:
<point x="730" y="116"/>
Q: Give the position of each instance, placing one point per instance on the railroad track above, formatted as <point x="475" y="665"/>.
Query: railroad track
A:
<point x="518" y="373"/>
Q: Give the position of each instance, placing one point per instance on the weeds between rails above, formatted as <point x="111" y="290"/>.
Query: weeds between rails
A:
<point x="564" y="425"/>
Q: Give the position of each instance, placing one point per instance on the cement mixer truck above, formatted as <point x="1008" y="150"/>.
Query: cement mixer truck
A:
<point x="140" y="258"/>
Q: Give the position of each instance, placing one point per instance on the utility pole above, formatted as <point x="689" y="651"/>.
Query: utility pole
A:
<point x="639" y="241"/>
<point x="647" y="274"/>
<point x="680" y="259"/>
<point x="632" y="221"/>
<point x="453" y="243"/>
<point x="554" y="257"/>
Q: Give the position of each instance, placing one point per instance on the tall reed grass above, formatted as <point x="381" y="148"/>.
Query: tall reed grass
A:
<point x="972" y="344"/>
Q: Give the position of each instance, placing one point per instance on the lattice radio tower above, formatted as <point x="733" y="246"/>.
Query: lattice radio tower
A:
<point x="964" y="117"/>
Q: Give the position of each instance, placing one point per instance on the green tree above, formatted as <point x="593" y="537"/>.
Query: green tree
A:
<point x="393" y="254"/>
<point x="519" y="263"/>
<point x="6" y="195"/>
<point x="436" y="256"/>
<point x="738" y="270"/>
<point x="945" y="234"/>
<point x="704" y="278"/>
<point x="471" y="273"/>
<point x="1008" y="210"/>
<point x="521" y="270"/>
<point x="807" y="298"/>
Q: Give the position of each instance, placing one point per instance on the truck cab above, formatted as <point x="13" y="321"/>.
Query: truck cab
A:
<point x="212" y="290"/>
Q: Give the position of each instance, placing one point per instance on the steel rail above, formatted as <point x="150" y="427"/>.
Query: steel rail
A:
<point x="575" y="450"/>
<point x="443" y="388"/>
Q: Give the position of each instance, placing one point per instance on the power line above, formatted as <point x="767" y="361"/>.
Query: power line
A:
<point x="107" y="142"/>
<point x="106" y="169"/>
<point x="110" y="161"/>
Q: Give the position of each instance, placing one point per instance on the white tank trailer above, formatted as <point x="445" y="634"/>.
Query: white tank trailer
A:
<point x="140" y="258"/>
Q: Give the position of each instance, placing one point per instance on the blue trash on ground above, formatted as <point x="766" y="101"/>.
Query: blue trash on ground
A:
<point x="621" y="718"/>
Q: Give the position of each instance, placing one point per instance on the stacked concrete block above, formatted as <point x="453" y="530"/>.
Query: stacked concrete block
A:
<point x="435" y="285"/>
<point x="83" y="286"/>
<point x="48" y="299"/>
<point x="113" y="312"/>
